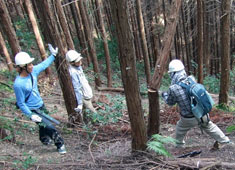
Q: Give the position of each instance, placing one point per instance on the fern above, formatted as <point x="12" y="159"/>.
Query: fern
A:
<point x="157" y="144"/>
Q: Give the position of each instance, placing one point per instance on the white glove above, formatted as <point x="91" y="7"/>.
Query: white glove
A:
<point x="78" y="109"/>
<point x="36" y="118"/>
<point x="53" y="51"/>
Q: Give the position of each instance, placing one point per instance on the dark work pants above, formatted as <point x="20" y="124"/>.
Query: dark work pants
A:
<point x="47" y="130"/>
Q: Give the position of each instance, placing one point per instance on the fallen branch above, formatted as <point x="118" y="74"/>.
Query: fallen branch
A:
<point x="90" y="148"/>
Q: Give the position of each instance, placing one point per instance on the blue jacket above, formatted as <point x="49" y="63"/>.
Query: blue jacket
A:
<point x="23" y="88"/>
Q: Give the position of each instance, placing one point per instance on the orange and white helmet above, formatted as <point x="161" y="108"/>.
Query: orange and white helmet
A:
<point x="73" y="56"/>
<point x="22" y="58"/>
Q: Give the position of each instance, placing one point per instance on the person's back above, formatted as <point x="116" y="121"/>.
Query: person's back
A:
<point x="177" y="95"/>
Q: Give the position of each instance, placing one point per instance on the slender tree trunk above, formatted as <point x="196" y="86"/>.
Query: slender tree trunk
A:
<point x="49" y="19"/>
<point x="200" y="40"/>
<point x="91" y="46"/>
<point x="206" y="42"/>
<point x="64" y="25"/>
<point x="143" y="41"/>
<point x="154" y="121"/>
<point x="225" y="52"/>
<point x="8" y="29"/>
<point x="36" y="32"/>
<point x="105" y="43"/>
<point x="6" y="53"/>
<point x="127" y="59"/>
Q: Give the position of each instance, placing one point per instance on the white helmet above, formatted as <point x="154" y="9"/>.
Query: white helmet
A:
<point x="175" y="65"/>
<point x="73" y="56"/>
<point x="23" y="58"/>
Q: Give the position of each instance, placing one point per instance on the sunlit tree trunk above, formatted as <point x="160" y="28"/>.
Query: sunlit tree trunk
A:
<point x="5" y="21"/>
<point x="36" y="32"/>
<point x="127" y="60"/>
<point x="6" y="53"/>
<point x="225" y="52"/>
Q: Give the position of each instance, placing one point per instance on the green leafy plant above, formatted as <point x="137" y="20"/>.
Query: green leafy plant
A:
<point x="230" y="129"/>
<point x="26" y="162"/>
<point x="156" y="143"/>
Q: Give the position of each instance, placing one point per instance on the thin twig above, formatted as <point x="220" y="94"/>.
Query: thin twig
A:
<point x="90" y="148"/>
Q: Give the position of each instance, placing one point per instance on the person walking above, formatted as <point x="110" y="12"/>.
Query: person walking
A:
<point x="83" y="90"/>
<point x="28" y="97"/>
<point x="177" y="95"/>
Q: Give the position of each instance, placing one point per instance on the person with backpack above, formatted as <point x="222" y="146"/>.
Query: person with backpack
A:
<point x="29" y="100"/>
<point x="176" y="94"/>
<point x="81" y="86"/>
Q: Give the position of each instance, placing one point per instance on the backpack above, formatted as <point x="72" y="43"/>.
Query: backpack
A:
<point x="200" y="100"/>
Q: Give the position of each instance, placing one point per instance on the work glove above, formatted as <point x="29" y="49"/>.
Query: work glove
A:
<point x="78" y="109"/>
<point x="53" y="51"/>
<point x="36" y="118"/>
<point x="164" y="96"/>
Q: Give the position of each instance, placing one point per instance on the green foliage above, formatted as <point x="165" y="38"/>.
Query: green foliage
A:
<point x="165" y="83"/>
<point x="230" y="129"/>
<point x="110" y="113"/>
<point x="212" y="84"/>
<point x="7" y="125"/>
<point x="25" y="36"/>
<point x="26" y="162"/>
<point x="157" y="142"/>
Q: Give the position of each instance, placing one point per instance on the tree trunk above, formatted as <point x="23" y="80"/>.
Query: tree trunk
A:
<point x="52" y="26"/>
<point x="225" y="52"/>
<point x="105" y="43"/>
<point x="160" y="67"/>
<point x="6" y="53"/>
<point x="206" y="42"/>
<point x="127" y="60"/>
<point x="64" y="25"/>
<point x="143" y="41"/>
<point x="8" y="29"/>
<point x="200" y="40"/>
<point x="92" y="51"/>
<point x="36" y="32"/>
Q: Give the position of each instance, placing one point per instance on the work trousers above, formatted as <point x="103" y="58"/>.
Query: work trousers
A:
<point x="185" y="124"/>
<point x="87" y="104"/>
<point x="47" y="130"/>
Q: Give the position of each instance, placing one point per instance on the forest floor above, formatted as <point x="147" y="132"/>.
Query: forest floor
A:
<point x="110" y="146"/>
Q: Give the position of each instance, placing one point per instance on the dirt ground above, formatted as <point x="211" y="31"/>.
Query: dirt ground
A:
<point x="109" y="146"/>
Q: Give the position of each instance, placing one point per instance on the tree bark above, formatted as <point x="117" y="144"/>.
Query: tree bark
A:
<point x="127" y="60"/>
<point x="143" y="41"/>
<point x="90" y="40"/>
<point x="225" y="52"/>
<point x="6" y="53"/>
<point x="105" y="43"/>
<point x="36" y="32"/>
<point x="160" y="67"/>
<point x="62" y="68"/>
<point x="8" y="29"/>
<point x="200" y="40"/>
<point x="64" y="25"/>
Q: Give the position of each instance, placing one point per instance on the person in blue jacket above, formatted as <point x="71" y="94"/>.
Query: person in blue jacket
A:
<point x="28" y="97"/>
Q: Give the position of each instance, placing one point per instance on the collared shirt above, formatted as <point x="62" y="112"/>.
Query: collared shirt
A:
<point x="81" y="86"/>
<point x="178" y="95"/>
<point x="24" y="88"/>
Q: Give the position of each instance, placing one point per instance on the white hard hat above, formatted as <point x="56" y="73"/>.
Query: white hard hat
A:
<point x="175" y="65"/>
<point x="73" y="56"/>
<point x="23" y="58"/>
